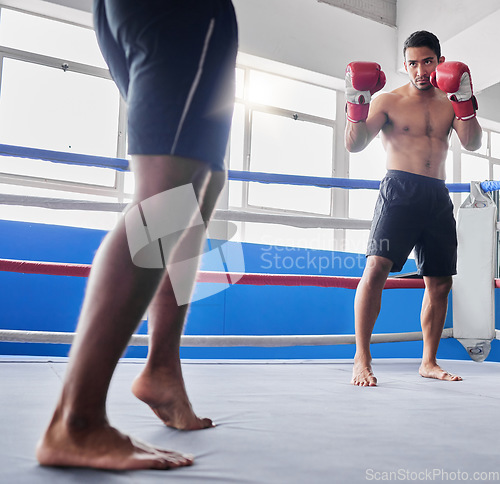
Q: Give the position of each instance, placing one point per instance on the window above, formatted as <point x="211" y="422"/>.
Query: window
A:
<point x="79" y="218"/>
<point x="46" y="170"/>
<point x="287" y="146"/>
<point x="284" y="126"/>
<point x="39" y="35"/>
<point x="480" y="165"/>
<point x="280" y="125"/>
<point x="290" y="94"/>
<point x="47" y="108"/>
<point x="237" y="152"/>
<point x="45" y="105"/>
<point x="474" y="168"/>
<point x="495" y="145"/>
<point x="496" y="172"/>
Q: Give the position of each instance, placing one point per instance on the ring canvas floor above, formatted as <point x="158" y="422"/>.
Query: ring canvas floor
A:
<point x="293" y="422"/>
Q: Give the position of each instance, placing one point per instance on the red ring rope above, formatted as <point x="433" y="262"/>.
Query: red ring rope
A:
<point x="83" y="270"/>
<point x="48" y="268"/>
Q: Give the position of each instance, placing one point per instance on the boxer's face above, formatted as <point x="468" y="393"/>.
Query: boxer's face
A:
<point x="420" y="62"/>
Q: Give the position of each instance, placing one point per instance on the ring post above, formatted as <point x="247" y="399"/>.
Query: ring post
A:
<point x="473" y="286"/>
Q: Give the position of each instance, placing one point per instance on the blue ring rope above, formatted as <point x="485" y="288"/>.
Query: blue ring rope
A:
<point x="121" y="164"/>
<point x="64" y="157"/>
<point x="325" y="182"/>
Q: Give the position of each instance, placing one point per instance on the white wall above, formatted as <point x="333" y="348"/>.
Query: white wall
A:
<point x="313" y="35"/>
<point x="489" y="103"/>
<point x="445" y="18"/>
<point x="85" y="5"/>
<point x="76" y="11"/>
<point x="468" y="30"/>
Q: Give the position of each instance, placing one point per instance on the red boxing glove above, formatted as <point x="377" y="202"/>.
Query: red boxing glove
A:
<point x="454" y="79"/>
<point x="362" y="79"/>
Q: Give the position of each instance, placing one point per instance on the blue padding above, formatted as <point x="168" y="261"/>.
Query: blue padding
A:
<point x="490" y="186"/>
<point x="63" y="157"/>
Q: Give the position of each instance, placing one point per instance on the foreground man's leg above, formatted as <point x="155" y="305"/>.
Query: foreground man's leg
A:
<point x="117" y="296"/>
<point x="161" y="384"/>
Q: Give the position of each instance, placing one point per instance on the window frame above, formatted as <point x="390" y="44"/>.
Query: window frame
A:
<point x="115" y="191"/>
<point x="338" y="164"/>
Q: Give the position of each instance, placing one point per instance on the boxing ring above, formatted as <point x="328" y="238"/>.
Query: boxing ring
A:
<point x="283" y="421"/>
<point x="477" y="344"/>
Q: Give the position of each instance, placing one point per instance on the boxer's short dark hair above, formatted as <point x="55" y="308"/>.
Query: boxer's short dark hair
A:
<point x="422" y="38"/>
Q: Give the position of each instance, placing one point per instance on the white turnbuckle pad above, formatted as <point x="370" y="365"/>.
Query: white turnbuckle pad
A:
<point x="473" y="286"/>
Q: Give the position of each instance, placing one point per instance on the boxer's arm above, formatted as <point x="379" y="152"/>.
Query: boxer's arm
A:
<point x="359" y="135"/>
<point x="469" y="133"/>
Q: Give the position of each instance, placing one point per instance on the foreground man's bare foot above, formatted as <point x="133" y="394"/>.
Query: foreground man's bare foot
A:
<point x="433" y="370"/>
<point x="362" y="375"/>
<point x="166" y="394"/>
<point x="103" y="447"/>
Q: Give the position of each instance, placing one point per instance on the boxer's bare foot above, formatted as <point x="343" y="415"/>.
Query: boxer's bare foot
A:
<point x="362" y="375"/>
<point x="102" y="447"/>
<point x="165" y="392"/>
<point x="433" y="370"/>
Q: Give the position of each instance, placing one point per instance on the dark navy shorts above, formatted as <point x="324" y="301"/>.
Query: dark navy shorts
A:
<point x="415" y="211"/>
<point x="173" y="62"/>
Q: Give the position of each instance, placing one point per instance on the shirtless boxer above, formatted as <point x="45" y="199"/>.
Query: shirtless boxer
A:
<point x="174" y="63"/>
<point x="414" y="209"/>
